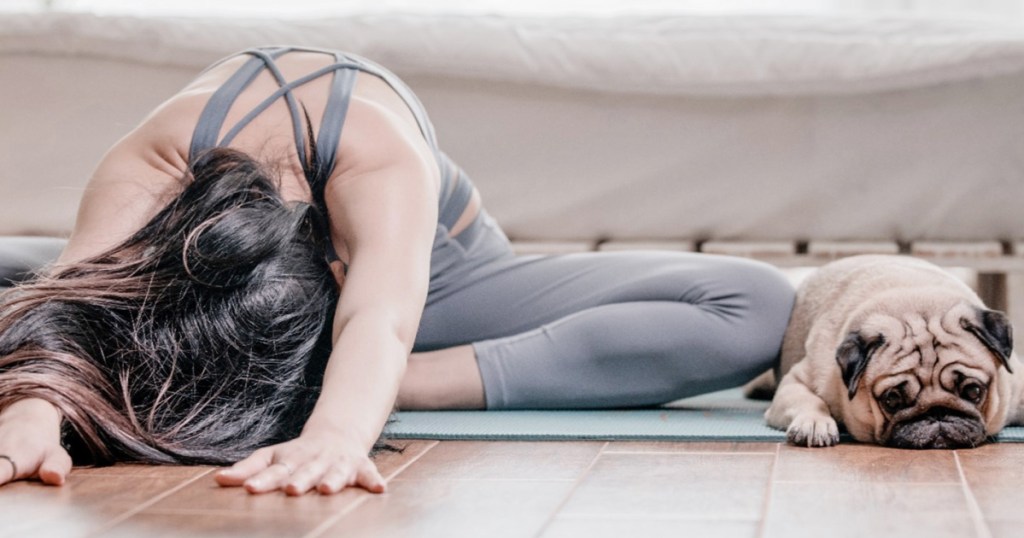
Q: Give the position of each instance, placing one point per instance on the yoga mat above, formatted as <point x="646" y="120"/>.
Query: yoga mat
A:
<point x="718" y="416"/>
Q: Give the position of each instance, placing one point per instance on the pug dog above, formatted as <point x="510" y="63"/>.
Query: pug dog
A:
<point x="898" y="351"/>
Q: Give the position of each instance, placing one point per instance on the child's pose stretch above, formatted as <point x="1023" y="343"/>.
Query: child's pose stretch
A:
<point x="280" y="254"/>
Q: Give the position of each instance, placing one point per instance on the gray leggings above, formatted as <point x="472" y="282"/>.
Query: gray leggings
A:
<point x="595" y="330"/>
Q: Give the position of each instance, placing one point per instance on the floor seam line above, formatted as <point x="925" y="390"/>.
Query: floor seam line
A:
<point x="333" y="519"/>
<point x="769" y="493"/>
<point x="572" y="490"/>
<point x="980" y="525"/>
<point x="121" y="518"/>
<point x="406" y="465"/>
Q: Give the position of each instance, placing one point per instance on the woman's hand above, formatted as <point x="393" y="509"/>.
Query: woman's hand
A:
<point x="30" y="437"/>
<point x="326" y="462"/>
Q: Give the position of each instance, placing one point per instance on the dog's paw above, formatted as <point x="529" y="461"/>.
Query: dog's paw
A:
<point x="813" y="431"/>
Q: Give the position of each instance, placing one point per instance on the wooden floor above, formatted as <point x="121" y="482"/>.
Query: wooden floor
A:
<point x="592" y="489"/>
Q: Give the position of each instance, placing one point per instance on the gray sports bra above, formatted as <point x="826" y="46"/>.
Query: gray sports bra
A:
<point x="456" y="189"/>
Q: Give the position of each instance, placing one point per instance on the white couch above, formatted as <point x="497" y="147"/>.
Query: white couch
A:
<point x="793" y="139"/>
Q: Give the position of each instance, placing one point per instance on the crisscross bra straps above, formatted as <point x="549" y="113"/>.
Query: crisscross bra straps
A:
<point x="344" y="70"/>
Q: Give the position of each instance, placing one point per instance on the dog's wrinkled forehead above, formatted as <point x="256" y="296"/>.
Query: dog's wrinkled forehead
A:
<point x="914" y="336"/>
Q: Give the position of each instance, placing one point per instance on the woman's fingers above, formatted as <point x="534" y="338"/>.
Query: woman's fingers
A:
<point x="51" y="467"/>
<point x="365" y="476"/>
<point x="369" y="478"/>
<point x="237" y="474"/>
<point x="55" y="467"/>
<point x="307" y="476"/>
<point x="299" y="466"/>
<point x="333" y="481"/>
<point x="269" y="479"/>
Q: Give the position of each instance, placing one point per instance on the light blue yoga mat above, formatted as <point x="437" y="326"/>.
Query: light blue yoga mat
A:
<point x="719" y="416"/>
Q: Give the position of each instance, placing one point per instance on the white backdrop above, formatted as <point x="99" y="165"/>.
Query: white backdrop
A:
<point x="1002" y="10"/>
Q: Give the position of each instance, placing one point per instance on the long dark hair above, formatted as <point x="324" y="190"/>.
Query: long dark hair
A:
<point x="200" y="338"/>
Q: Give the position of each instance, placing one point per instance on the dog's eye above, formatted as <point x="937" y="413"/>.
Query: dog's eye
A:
<point x="972" y="392"/>
<point x="892" y="400"/>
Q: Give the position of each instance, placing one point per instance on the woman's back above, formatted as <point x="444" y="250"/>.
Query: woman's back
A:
<point x="144" y="169"/>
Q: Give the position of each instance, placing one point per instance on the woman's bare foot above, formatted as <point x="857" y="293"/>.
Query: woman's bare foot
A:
<point x="443" y="379"/>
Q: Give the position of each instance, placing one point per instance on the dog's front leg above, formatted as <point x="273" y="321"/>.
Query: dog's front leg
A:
<point x="801" y="413"/>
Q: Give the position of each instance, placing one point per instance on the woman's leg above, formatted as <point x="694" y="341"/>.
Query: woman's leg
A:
<point x="444" y="379"/>
<point x="603" y="329"/>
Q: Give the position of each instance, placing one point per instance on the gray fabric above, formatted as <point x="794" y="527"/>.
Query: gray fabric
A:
<point x="595" y="330"/>
<point x="211" y="119"/>
<point x="285" y="90"/>
<point x="455" y="193"/>
<point x="21" y="257"/>
<point x="576" y="331"/>
<point x="329" y="135"/>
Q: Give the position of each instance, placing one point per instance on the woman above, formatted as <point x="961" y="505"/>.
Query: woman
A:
<point x="288" y="191"/>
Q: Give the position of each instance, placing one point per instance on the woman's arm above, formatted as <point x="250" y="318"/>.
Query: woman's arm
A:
<point x="134" y="180"/>
<point x="131" y="183"/>
<point x="383" y="207"/>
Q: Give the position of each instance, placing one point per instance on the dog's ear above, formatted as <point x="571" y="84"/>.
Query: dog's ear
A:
<point x="853" y="356"/>
<point x="994" y="330"/>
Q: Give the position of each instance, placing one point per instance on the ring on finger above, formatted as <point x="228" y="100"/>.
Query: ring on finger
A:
<point x="14" y="466"/>
<point x="287" y="467"/>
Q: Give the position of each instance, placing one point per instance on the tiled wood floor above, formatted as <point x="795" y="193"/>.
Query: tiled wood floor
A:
<point x="554" y="490"/>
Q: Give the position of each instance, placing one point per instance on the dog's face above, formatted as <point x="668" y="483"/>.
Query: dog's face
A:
<point x="927" y="376"/>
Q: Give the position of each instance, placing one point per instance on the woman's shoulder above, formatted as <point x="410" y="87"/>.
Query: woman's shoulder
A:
<point x="163" y="136"/>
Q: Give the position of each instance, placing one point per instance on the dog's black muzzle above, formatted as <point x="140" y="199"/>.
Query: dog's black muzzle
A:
<point x="939" y="427"/>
